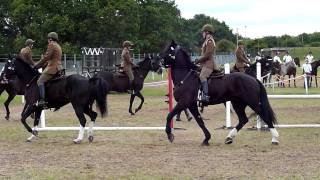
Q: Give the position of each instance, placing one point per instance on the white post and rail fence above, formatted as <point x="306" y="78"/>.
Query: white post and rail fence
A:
<point x="228" y="122"/>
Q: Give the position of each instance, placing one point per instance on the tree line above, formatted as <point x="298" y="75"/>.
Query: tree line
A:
<point x="150" y="24"/>
<point x="302" y="40"/>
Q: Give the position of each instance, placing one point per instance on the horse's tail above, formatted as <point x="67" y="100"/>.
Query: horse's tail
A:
<point x="99" y="89"/>
<point x="266" y="110"/>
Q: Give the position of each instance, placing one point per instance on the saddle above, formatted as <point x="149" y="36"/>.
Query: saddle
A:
<point x="216" y="74"/>
<point x="59" y="75"/>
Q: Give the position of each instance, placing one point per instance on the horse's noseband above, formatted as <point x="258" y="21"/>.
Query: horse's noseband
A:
<point x="172" y="56"/>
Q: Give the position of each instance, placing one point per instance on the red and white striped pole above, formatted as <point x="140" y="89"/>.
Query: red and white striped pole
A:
<point x="170" y="89"/>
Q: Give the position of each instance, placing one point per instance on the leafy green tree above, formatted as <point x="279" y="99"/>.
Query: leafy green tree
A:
<point x="225" y="45"/>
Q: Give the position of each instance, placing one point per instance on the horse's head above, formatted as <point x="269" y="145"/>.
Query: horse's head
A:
<point x="174" y="56"/>
<point x="23" y="70"/>
<point x="150" y="64"/>
<point x="169" y="54"/>
<point x="156" y="64"/>
<point x="8" y="69"/>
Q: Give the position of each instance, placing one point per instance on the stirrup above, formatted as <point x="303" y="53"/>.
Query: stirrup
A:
<point x="130" y="91"/>
<point x="205" y="99"/>
<point x="42" y="104"/>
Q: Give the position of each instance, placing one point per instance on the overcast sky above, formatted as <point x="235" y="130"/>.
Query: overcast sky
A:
<point x="256" y="19"/>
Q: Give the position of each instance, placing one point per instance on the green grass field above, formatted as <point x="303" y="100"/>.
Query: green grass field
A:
<point x="301" y="52"/>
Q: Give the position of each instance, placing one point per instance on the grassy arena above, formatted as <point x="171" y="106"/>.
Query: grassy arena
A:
<point x="148" y="154"/>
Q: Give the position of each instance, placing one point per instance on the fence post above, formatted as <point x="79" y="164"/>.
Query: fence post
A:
<point x="259" y="78"/>
<point x="65" y="60"/>
<point x="306" y="83"/>
<point x="43" y="119"/>
<point x="228" y="104"/>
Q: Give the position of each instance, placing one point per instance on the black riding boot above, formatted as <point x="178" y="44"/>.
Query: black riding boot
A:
<point x="41" y="102"/>
<point x="204" y="97"/>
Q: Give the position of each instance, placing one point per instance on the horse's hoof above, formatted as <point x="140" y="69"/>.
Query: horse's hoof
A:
<point x="275" y="143"/>
<point x="205" y="143"/>
<point x="7" y="118"/>
<point x="31" y="138"/>
<point x="178" y="119"/>
<point x="190" y="118"/>
<point x="90" y="138"/>
<point x="228" y="140"/>
<point x="170" y="137"/>
<point x="131" y="113"/>
<point x="35" y="132"/>
<point x="136" y="110"/>
<point x="77" y="141"/>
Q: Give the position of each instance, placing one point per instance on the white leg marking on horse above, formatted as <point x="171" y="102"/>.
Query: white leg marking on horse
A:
<point x="275" y="135"/>
<point x="233" y="133"/>
<point x="91" y="125"/>
<point x="80" y="136"/>
<point x="31" y="138"/>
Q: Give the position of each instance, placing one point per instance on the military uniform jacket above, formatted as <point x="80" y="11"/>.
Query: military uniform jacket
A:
<point x="126" y="62"/>
<point x="207" y="59"/>
<point x="26" y="55"/>
<point x="52" y="59"/>
<point x="241" y="60"/>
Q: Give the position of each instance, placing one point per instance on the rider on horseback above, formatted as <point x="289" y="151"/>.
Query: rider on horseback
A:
<point x="51" y="62"/>
<point x="26" y="52"/>
<point x="127" y="64"/>
<point x="206" y="60"/>
<point x="287" y="59"/>
<point x="241" y="59"/>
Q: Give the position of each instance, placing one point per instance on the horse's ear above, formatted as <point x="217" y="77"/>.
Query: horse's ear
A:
<point x="173" y="43"/>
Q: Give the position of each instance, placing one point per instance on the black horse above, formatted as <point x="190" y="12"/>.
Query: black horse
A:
<point x="239" y="88"/>
<point x="80" y="91"/>
<point x="314" y="72"/>
<point x="119" y="82"/>
<point x="11" y="84"/>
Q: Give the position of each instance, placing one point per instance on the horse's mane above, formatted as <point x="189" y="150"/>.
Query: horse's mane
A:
<point x="26" y="66"/>
<point x="145" y="59"/>
<point x="188" y="58"/>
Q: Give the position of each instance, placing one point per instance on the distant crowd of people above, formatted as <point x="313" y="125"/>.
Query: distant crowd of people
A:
<point x="287" y="58"/>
